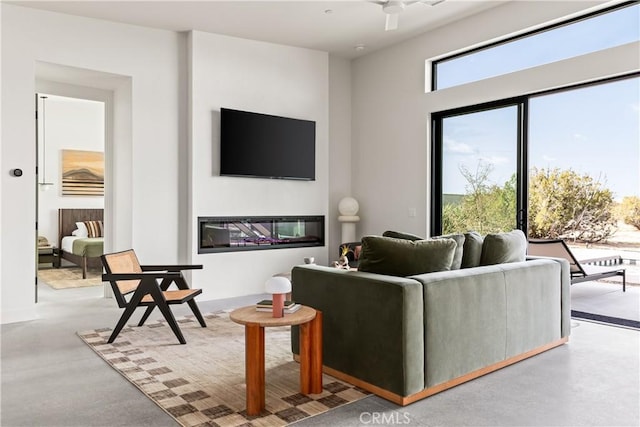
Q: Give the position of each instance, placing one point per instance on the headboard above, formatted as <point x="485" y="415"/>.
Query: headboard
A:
<point x="67" y="219"/>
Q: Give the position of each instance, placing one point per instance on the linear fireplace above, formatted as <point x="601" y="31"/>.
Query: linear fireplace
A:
<point x="240" y="233"/>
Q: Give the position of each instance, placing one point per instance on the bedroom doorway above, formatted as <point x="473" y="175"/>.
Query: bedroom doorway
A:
<point x="70" y="147"/>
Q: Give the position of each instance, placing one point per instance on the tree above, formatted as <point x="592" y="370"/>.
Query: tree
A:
<point x="485" y="208"/>
<point x="564" y="204"/>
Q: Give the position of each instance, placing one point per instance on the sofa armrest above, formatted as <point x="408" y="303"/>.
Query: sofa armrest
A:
<point x="565" y="283"/>
<point x="372" y="324"/>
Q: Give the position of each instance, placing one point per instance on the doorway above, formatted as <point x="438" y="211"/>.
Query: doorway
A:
<point x="115" y="91"/>
<point x="70" y="169"/>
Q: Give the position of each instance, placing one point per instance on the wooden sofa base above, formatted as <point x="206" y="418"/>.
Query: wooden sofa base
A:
<point x="406" y="400"/>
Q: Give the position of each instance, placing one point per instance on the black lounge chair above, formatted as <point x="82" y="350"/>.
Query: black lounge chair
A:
<point x="127" y="276"/>
<point x="581" y="271"/>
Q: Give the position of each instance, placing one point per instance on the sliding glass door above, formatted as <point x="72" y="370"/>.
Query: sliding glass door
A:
<point x="584" y="162"/>
<point x="563" y="163"/>
<point x="476" y="169"/>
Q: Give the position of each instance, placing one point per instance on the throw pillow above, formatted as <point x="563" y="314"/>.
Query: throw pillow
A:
<point x="499" y="248"/>
<point x="94" y="228"/>
<point x="401" y="235"/>
<point x="401" y="257"/>
<point x="81" y="230"/>
<point x="459" y="239"/>
<point x="472" y="249"/>
<point x="457" y="257"/>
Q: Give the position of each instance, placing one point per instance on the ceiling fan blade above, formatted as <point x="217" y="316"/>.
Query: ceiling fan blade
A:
<point x="391" y="23"/>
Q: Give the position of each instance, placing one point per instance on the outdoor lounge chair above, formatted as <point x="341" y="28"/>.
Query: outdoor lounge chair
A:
<point x="581" y="271"/>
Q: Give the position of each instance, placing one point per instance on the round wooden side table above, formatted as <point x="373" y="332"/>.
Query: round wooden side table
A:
<point x="310" y="321"/>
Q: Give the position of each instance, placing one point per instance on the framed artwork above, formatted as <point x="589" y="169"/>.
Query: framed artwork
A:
<point x="82" y="173"/>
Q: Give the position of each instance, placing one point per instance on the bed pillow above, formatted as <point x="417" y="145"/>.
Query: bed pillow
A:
<point x="81" y="230"/>
<point x="94" y="228"/>
<point x="500" y="248"/>
<point x="401" y="257"/>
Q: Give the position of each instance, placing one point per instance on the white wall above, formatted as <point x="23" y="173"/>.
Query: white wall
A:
<point x="147" y="76"/>
<point x="339" y="147"/>
<point x="391" y="110"/>
<point x="266" y="78"/>
<point x="160" y="153"/>
<point x="67" y="124"/>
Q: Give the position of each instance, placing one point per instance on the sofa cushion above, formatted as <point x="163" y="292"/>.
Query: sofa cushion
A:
<point x="499" y="248"/>
<point x="457" y="256"/>
<point x="472" y="250"/>
<point x="401" y="257"/>
<point x="401" y="235"/>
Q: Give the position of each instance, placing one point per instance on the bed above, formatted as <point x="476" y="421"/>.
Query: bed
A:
<point x="80" y="250"/>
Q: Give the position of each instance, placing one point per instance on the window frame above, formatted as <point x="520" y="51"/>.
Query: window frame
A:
<point x="436" y="62"/>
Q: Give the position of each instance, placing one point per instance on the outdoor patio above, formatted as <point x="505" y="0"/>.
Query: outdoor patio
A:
<point x="605" y="297"/>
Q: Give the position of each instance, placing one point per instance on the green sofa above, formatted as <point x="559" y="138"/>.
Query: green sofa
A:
<point x="406" y="338"/>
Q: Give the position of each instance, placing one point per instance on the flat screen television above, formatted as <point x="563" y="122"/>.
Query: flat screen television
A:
<point x="266" y="146"/>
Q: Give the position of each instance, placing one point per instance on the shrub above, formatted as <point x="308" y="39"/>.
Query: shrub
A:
<point x="629" y="211"/>
<point x="564" y="204"/>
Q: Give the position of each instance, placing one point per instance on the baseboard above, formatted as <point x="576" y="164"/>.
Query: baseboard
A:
<point x="430" y="391"/>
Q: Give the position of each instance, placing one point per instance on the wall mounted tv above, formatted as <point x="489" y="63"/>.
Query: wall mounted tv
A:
<point x="261" y="145"/>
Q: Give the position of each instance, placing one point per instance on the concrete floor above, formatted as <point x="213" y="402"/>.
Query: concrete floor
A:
<point x="607" y="298"/>
<point x="51" y="378"/>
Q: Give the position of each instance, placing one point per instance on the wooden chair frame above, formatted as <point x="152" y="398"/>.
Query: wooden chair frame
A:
<point x="146" y="291"/>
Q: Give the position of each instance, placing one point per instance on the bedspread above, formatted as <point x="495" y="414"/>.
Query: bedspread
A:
<point x="90" y="247"/>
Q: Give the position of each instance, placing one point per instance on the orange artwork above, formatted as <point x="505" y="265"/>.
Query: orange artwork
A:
<point x="82" y="173"/>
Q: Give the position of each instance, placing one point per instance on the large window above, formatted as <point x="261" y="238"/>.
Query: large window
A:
<point x="502" y="165"/>
<point x="607" y="29"/>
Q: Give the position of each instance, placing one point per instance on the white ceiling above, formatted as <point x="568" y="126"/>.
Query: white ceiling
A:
<point x="332" y="26"/>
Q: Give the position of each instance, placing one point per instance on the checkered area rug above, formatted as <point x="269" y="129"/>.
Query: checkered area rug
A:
<point x="202" y="383"/>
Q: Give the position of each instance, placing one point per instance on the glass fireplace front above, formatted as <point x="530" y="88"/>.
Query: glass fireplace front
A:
<point x="224" y="234"/>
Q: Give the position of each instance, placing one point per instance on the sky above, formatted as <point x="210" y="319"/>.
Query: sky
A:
<point x="593" y="130"/>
